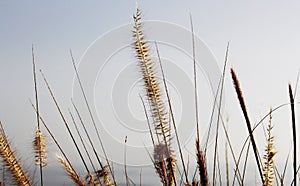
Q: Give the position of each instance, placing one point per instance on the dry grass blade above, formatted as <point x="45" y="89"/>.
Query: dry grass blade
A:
<point x="92" y="145"/>
<point x="172" y="116"/>
<point x="243" y="107"/>
<point x="71" y="172"/>
<point x="65" y="122"/>
<point x="39" y="144"/>
<point x="93" y="120"/>
<point x="269" y="155"/>
<point x="294" y="134"/>
<point x="201" y="165"/>
<point x="85" y="148"/>
<point x="11" y="162"/>
<point x="226" y="156"/>
<point x="219" y="114"/>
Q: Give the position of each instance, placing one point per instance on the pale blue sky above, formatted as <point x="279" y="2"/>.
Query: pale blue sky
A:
<point x="264" y="50"/>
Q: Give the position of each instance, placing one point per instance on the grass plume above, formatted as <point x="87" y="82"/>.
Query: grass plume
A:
<point x="12" y="163"/>
<point x="39" y="144"/>
<point x="268" y="169"/>
<point x="158" y="112"/>
<point x="71" y="172"/>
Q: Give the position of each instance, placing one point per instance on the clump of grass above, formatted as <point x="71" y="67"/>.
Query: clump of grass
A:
<point x="161" y="117"/>
<point x="12" y="163"/>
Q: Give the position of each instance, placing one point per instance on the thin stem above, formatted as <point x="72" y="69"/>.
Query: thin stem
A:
<point x="172" y="114"/>
<point x="65" y="122"/>
<point x="84" y="146"/>
<point x="37" y="113"/>
<point x="92" y="117"/>
<point x="219" y="113"/>
<point x="88" y="136"/>
<point x="125" y="166"/>
<point x="54" y="139"/>
<point x="294" y="133"/>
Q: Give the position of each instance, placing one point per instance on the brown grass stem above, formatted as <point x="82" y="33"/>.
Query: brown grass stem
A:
<point x="87" y="134"/>
<point x="84" y="146"/>
<point x="54" y="139"/>
<point x="39" y="142"/>
<point x="294" y="134"/>
<point x="201" y="166"/>
<point x="243" y="107"/>
<point x="92" y="117"/>
<point x="65" y="121"/>
<point x="125" y="163"/>
<point x="172" y="114"/>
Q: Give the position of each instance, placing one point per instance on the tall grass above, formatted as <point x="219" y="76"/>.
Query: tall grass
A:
<point x="157" y="104"/>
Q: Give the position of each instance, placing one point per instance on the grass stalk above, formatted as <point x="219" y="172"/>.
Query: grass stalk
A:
<point x="154" y="96"/>
<point x="294" y="134"/>
<point x="84" y="146"/>
<point x="243" y="107"/>
<point x="57" y="144"/>
<point x="125" y="163"/>
<point x="172" y="114"/>
<point x="92" y="119"/>
<point x="219" y="112"/>
<point x="39" y="144"/>
<point x="65" y="122"/>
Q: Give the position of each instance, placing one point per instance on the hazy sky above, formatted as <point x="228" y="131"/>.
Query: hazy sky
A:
<point x="264" y="42"/>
